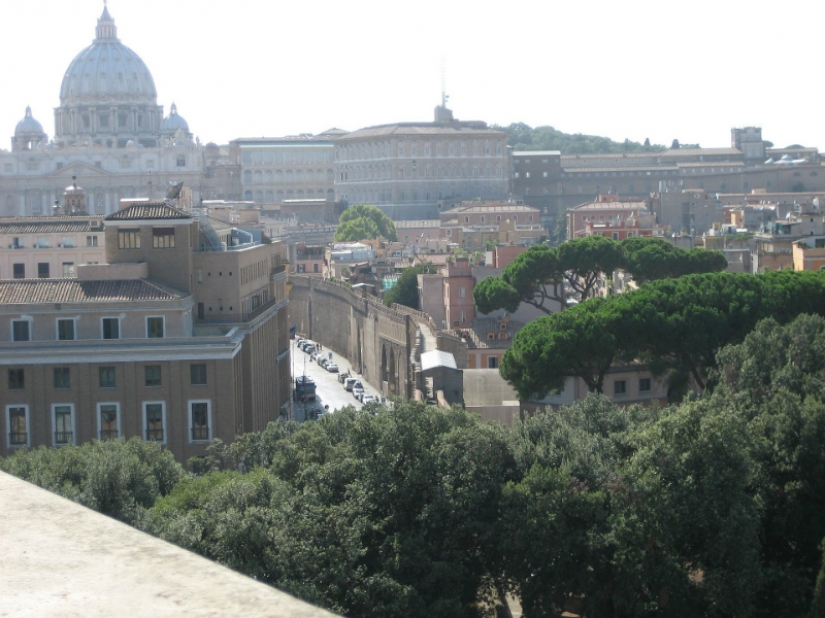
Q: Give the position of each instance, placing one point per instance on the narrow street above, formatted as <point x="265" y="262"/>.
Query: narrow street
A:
<point x="329" y="391"/>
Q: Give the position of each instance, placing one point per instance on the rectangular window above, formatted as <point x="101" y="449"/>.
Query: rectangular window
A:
<point x="62" y="377"/>
<point x="17" y="379"/>
<point x="619" y="387"/>
<point x="18" y="423"/>
<point x="153" y="414"/>
<point x="462" y="292"/>
<point x="128" y="239"/>
<point x="91" y="241"/>
<point x="65" y="330"/>
<point x="197" y="373"/>
<point x="68" y="269"/>
<point x="152" y="375"/>
<point x="163" y="237"/>
<point x="63" y="424"/>
<point x="111" y="328"/>
<point x="492" y="362"/>
<point x="67" y="241"/>
<point x="20" y="330"/>
<point x="155" y="327"/>
<point x="644" y="385"/>
<point x="106" y="376"/>
<point x="181" y="161"/>
<point x="19" y="271"/>
<point x="108" y="421"/>
<point x="199" y="419"/>
<point x="42" y="270"/>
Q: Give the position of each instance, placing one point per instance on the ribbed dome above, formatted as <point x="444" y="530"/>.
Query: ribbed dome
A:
<point x="28" y="126"/>
<point x="173" y="122"/>
<point x="107" y="70"/>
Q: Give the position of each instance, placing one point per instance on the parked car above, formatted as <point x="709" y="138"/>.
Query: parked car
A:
<point x="322" y="360"/>
<point x="366" y="398"/>
<point x="342" y="377"/>
<point x="349" y="383"/>
<point x="309" y="348"/>
<point x="357" y="390"/>
<point x="332" y="367"/>
<point x="314" y="355"/>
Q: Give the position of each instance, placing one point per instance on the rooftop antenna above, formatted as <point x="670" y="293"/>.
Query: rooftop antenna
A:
<point x="444" y="95"/>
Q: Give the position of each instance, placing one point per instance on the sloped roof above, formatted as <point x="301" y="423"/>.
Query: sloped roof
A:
<point x="47" y="227"/>
<point x="27" y="291"/>
<point x="148" y="210"/>
<point x="413" y="129"/>
<point x="437" y="358"/>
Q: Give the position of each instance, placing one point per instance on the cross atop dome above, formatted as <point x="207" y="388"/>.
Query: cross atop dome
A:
<point x="106" y="29"/>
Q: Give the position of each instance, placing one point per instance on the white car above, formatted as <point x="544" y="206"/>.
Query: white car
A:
<point x="332" y="368"/>
<point x="365" y="398"/>
<point x="358" y="392"/>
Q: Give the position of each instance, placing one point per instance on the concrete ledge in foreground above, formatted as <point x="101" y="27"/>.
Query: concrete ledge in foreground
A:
<point x="60" y="559"/>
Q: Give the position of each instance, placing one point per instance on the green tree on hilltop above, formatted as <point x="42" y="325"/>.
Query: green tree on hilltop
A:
<point x="364" y="222"/>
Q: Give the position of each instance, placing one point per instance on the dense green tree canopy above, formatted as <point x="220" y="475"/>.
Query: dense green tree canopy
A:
<point x="363" y="222"/>
<point x="711" y="508"/>
<point x="120" y="479"/>
<point x="582" y="341"/>
<point x="539" y="275"/>
<point x="648" y="259"/>
<point x="675" y="326"/>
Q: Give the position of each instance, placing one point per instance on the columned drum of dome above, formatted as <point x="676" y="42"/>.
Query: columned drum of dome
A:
<point x="28" y="133"/>
<point x="174" y="122"/>
<point x="108" y="96"/>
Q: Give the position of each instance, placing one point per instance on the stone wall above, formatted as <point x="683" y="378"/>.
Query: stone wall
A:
<point x="377" y="341"/>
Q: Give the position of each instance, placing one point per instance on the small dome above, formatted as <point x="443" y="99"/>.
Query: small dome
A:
<point x="28" y="126"/>
<point x="173" y="122"/>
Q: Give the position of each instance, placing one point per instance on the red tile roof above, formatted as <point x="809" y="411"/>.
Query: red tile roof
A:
<point x="148" y="210"/>
<point x="27" y="291"/>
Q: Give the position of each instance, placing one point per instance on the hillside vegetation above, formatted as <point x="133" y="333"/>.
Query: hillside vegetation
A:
<point x="524" y="137"/>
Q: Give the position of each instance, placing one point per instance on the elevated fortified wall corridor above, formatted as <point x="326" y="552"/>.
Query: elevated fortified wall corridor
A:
<point x="376" y="340"/>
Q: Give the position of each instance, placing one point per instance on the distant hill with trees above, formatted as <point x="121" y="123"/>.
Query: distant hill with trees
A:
<point x="525" y="137"/>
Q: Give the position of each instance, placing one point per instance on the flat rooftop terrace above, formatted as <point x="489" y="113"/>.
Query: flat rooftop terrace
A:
<point x="63" y="560"/>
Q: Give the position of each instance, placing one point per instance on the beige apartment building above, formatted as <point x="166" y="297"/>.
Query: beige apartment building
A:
<point x="49" y="247"/>
<point x="181" y="337"/>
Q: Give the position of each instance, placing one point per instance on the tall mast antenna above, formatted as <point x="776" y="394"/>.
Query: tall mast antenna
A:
<point x="444" y="95"/>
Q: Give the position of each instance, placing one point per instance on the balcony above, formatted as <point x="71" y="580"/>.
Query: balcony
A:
<point x="108" y="434"/>
<point x="63" y="437"/>
<point x="18" y="438"/>
<point x="154" y="435"/>
<point x="200" y="433"/>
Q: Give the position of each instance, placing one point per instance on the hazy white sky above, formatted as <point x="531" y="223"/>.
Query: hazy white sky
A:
<point x="641" y="68"/>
